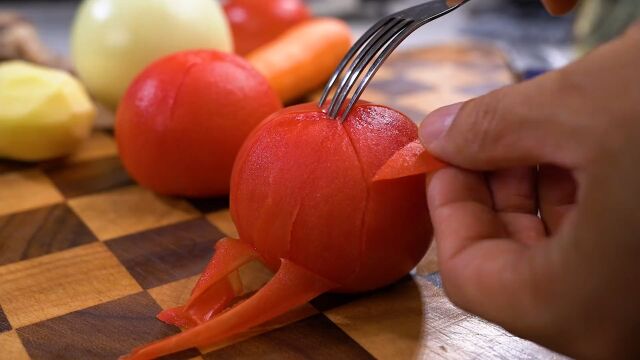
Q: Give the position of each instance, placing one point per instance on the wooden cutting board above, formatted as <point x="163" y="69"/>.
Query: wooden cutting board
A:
<point x="88" y="258"/>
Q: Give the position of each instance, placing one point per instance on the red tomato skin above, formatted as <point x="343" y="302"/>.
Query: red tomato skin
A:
<point x="302" y="190"/>
<point x="257" y="22"/>
<point x="184" y="118"/>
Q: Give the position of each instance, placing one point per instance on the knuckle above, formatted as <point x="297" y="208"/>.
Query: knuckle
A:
<point x="598" y="127"/>
<point x="582" y="117"/>
<point x="481" y="124"/>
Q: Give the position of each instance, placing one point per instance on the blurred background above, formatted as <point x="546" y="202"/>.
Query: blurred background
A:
<point x="532" y="39"/>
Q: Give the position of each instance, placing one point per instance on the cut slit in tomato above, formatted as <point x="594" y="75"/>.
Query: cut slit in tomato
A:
<point x="291" y="286"/>
<point x="217" y="287"/>
<point x="413" y="159"/>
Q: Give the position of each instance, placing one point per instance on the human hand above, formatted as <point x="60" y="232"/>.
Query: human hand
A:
<point x="569" y="278"/>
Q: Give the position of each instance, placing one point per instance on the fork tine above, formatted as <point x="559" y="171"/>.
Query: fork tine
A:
<point x="376" y="66"/>
<point x="363" y="59"/>
<point x="350" y="54"/>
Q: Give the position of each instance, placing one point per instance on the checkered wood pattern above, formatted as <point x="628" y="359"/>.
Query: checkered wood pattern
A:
<point x="88" y="258"/>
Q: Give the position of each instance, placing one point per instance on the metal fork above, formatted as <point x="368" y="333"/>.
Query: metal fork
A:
<point x="375" y="46"/>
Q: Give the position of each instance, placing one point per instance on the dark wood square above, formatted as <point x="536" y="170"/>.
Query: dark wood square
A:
<point x="312" y="338"/>
<point x="41" y="231"/>
<point x="89" y="177"/>
<point x="328" y="301"/>
<point x="207" y="205"/>
<point x="167" y="254"/>
<point x="104" y="331"/>
<point x="10" y="165"/>
<point x="4" y="322"/>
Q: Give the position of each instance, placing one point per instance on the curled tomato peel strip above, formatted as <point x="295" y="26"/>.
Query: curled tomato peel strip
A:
<point x="413" y="159"/>
<point x="217" y="287"/>
<point x="291" y="286"/>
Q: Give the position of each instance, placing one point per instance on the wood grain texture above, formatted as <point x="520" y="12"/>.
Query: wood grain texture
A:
<point x="87" y="301"/>
<point x="4" y="322"/>
<point x="415" y="320"/>
<point x="41" y="231"/>
<point x="166" y="254"/>
<point x="420" y="81"/>
<point x="429" y="263"/>
<point x="90" y="177"/>
<point x="222" y="220"/>
<point x="129" y="210"/>
<point x="312" y="338"/>
<point x="447" y="74"/>
<point x="173" y="294"/>
<point x="11" y="347"/>
<point x="24" y="190"/>
<point x="90" y="333"/>
<point x="52" y="285"/>
<point x="99" y="145"/>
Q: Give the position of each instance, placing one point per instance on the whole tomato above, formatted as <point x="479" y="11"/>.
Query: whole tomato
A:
<point x="303" y="189"/>
<point x="184" y="118"/>
<point x="256" y="22"/>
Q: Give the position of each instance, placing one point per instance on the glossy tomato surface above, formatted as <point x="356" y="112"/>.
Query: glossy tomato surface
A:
<point x="302" y="189"/>
<point x="184" y="118"/>
<point x="256" y="22"/>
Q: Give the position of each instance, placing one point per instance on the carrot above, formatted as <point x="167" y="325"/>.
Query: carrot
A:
<point x="303" y="58"/>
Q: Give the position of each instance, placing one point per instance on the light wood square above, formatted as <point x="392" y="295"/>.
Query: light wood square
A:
<point x="98" y="146"/>
<point x="446" y="76"/>
<point x="429" y="263"/>
<point x="11" y="347"/>
<point x="427" y="101"/>
<point x="173" y="294"/>
<point x="45" y="287"/>
<point x="415" y="320"/>
<point x="24" y="190"/>
<point x="222" y="220"/>
<point x="129" y="210"/>
<point x="386" y="324"/>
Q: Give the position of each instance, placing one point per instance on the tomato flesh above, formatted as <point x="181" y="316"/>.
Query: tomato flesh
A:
<point x="302" y="189"/>
<point x="183" y="120"/>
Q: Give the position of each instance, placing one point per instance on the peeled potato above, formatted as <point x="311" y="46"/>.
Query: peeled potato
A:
<point x="44" y="113"/>
<point x="113" y="40"/>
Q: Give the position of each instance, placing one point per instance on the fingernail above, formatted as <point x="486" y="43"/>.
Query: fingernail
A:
<point x="436" y="124"/>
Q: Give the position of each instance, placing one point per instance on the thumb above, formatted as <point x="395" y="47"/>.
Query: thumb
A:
<point x="524" y="124"/>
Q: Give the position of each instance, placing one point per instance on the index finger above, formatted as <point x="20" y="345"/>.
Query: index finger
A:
<point x="482" y="270"/>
